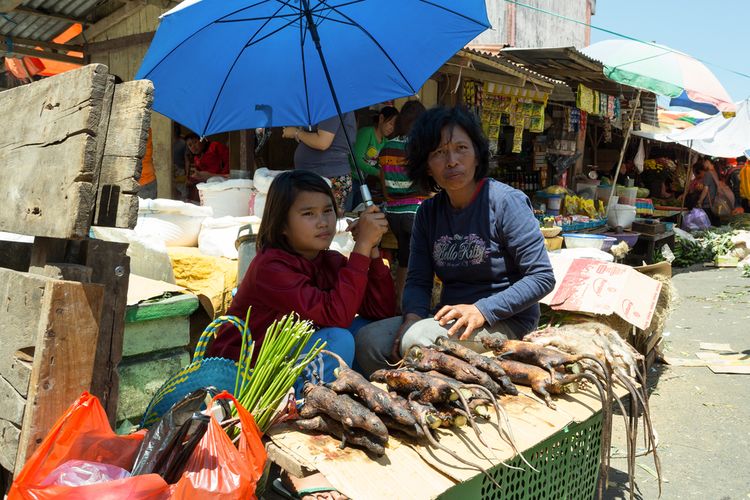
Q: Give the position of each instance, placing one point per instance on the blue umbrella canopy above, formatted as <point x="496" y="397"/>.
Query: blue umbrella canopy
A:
<point x="220" y="65"/>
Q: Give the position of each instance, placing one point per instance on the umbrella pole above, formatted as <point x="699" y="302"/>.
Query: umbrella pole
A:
<point x="622" y="151"/>
<point x="364" y="190"/>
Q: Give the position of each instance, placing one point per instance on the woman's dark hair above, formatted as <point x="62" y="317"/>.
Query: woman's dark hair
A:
<point x="698" y="167"/>
<point x="192" y="135"/>
<point x="410" y="111"/>
<point x="426" y="135"/>
<point x="281" y="195"/>
<point x="387" y="112"/>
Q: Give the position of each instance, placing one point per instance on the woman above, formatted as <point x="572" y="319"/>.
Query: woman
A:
<point x="370" y="140"/>
<point x="326" y="152"/>
<point x="401" y="197"/>
<point x="478" y="235"/>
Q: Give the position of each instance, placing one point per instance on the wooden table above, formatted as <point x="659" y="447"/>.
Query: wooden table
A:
<point x="418" y="472"/>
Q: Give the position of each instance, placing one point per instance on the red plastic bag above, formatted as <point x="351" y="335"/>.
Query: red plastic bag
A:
<point x="216" y="468"/>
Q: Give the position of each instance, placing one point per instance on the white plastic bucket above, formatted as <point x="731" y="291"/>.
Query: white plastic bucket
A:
<point x="621" y="215"/>
<point x="218" y="236"/>
<point x="230" y="197"/>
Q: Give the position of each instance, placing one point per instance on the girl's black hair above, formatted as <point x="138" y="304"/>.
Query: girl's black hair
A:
<point x="426" y="136"/>
<point x="281" y="195"/>
<point x="410" y="111"/>
<point x="387" y="112"/>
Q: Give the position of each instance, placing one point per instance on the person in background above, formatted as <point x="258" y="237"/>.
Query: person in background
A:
<point x="325" y="152"/>
<point x="477" y="235"/>
<point x="401" y="197"/>
<point x="731" y="176"/>
<point x="209" y="158"/>
<point x="147" y="181"/>
<point x="370" y="140"/>
<point x="205" y="159"/>
<point x="744" y="180"/>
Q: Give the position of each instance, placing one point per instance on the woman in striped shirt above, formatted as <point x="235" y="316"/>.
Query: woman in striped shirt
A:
<point x="402" y="198"/>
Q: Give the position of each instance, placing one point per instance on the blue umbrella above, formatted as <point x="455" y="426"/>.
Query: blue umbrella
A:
<point x="220" y="65"/>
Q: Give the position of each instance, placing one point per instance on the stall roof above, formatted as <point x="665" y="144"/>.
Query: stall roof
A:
<point x="27" y="25"/>
<point x="573" y="67"/>
<point x="485" y="66"/>
<point x="569" y="65"/>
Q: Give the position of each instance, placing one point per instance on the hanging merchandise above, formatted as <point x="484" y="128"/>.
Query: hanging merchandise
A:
<point x="575" y="119"/>
<point x="517" y="139"/>
<point x="640" y="157"/>
<point x="568" y="126"/>
<point x="585" y="98"/>
<point x="536" y="121"/>
<point x="610" y="107"/>
<point x="582" y="125"/>
<point x="603" y="104"/>
<point x="595" y="106"/>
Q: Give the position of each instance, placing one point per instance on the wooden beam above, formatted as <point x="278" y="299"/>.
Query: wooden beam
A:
<point x="22" y="9"/>
<point x="505" y="69"/>
<point x="25" y="51"/>
<point x="120" y="42"/>
<point x="40" y="43"/>
<point x="104" y="24"/>
<point x="481" y="75"/>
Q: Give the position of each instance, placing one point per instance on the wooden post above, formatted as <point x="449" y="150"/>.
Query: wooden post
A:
<point x="624" y="147"/>
<point x="111" y="268"/>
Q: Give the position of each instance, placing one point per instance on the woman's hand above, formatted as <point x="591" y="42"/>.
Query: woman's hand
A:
<point x="289" y="132"/>
<point x="409" y="320"/>
<point x="466" y="316"/>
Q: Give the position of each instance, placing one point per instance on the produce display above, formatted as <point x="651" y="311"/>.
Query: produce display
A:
<point x="447" y="385"/>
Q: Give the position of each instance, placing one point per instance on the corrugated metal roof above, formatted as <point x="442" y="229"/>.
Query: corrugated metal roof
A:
<point x="23" y="23"/>
<point x="499" y="58"/>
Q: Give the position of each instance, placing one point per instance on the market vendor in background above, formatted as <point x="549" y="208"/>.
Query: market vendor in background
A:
<point x="208" y="158"/>
<point x="147" y="180"/>
<point x="324" y="151"/>
<point x="370" y="140"/>
<point x="402" y="198"/>
<point x="477" y="235"/>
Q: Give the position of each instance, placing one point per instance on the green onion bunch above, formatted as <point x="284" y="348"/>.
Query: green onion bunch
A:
<point x="279" y="364"/>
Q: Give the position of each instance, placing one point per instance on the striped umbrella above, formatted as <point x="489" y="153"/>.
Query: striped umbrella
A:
<point x="661" y="70"/>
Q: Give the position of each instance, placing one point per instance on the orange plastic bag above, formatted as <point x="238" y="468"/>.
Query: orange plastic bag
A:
<point x="216" y="468"/>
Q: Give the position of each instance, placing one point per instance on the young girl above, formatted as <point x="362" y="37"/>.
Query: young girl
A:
<point x="294" y="271"/>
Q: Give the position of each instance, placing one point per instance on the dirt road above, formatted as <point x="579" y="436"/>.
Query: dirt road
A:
<point x="702" y="419"/>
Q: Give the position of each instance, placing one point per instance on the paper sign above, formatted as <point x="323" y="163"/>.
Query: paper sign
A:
<point x="594" y="286"/>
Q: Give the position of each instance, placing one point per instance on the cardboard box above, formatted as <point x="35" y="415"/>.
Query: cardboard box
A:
<point x="598" y="287"/>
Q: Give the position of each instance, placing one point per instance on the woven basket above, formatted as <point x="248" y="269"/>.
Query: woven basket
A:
<point x="220" y="373"/>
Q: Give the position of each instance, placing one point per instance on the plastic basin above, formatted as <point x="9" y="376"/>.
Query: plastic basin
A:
<point x="573" y="240"/>
<point x="608" y="242"/>
<point x="629" y="238"/>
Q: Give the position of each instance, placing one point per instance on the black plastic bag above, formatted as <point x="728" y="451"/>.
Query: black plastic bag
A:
<point x="169" y="443"/>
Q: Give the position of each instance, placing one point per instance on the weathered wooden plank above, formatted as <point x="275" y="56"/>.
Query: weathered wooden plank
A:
<point x="111" y="268"/>
<point x="20" y="296"/>
<point x="11" y="403"/>
<point x="125" y="145"/>
<point x="63" y="364"/>
<point x="48" y="158"/>
<point x="9" y="435"/>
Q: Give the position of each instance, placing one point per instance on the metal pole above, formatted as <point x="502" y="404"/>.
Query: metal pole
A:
<point x="366" y="196"/>
<point x="622" y="151"/>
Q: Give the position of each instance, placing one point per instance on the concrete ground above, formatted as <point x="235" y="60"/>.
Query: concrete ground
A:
<point x="702" y="419"/>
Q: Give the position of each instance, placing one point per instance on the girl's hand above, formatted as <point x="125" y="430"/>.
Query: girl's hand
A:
<point x="369" y="228"/>
<point x="288" y="132"/>
<point x="466" y="316"/>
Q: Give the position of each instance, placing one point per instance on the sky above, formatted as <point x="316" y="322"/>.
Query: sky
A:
<point x="714" y="32"/>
